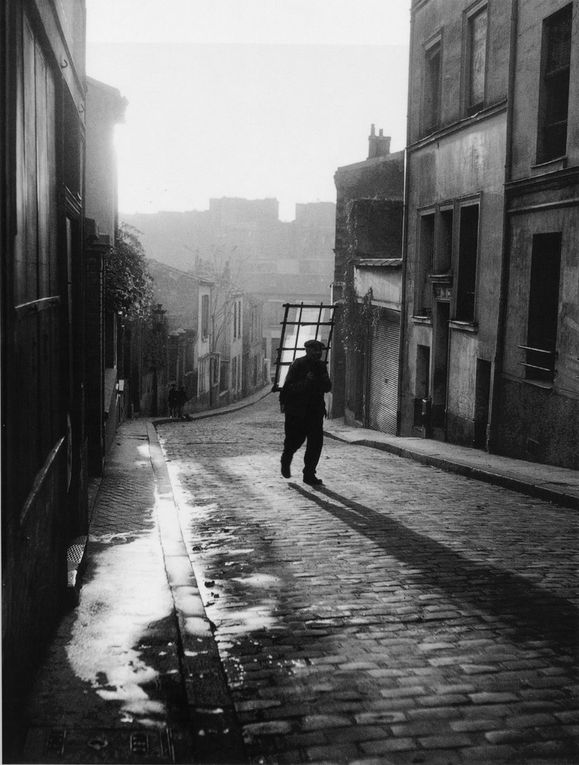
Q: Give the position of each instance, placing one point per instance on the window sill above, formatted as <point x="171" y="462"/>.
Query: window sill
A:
<point x="464" y="326"/>
<point x="427" y="320"/>
<point x="551" y="166"/>
<point x="538" y="383"/>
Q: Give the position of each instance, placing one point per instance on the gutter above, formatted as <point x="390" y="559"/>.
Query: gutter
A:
<point x="505" y="261"/>
<point x="406" y="196"/>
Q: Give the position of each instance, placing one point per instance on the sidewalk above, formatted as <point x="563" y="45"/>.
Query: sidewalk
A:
<point x="555" y="484"/>
<point x="133" y="673"/>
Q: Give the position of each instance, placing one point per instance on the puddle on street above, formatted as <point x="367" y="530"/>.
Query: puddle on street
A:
<point x="258" y="580"/>
<point x="233" y="602"/>
<point x="246" y="620"/>
<point x="118" y="604"/>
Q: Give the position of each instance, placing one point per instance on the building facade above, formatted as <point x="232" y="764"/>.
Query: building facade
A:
<point x="536" y="414"/>
<point x="456" y="152"/>
<point x="255" y="369"/>
<point x="44" y="444"/>
<point x="106" y="399"/>
<point x="186" y="301"/>
<point x="368" y="288"/>
<point x="228" y="343"/>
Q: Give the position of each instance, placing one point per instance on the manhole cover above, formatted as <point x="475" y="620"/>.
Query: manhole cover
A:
<point x="60" y="745"/>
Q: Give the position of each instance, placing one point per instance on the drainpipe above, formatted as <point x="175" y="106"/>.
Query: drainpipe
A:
<point x="505" y="260"/>
<point x="406" y="196"/>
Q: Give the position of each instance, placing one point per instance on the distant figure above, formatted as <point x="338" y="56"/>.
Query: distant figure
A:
<point x="172" y="400"/>
<point x="181" y="401"/>
<point x="302" y="401"/>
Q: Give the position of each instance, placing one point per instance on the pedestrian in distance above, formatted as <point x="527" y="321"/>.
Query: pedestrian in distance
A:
<point x="302" y="402"/>
<point x="172" y="400"/>
<point x="181" y="400"/>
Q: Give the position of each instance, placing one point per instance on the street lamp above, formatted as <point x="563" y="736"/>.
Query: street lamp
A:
<point x="158" y="324"/>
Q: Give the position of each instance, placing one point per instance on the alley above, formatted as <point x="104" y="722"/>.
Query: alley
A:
<point x="398" y="614"/>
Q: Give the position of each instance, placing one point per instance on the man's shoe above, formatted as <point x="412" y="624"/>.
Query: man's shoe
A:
<point x="312" y="480"/>
<point x="285" y="468"/>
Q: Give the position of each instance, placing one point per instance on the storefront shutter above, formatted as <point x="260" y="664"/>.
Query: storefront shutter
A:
<point x="383" y="387"/>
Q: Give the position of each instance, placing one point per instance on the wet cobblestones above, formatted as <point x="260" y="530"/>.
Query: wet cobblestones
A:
<point x="400" y="614"/>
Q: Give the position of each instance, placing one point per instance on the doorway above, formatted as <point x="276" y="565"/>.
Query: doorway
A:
<point x="440" y="369"/>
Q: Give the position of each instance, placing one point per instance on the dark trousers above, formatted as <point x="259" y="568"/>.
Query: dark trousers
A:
<point x="298" y="430"/>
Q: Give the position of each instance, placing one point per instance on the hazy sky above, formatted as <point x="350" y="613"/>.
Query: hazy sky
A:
<point x="248" y="98"/>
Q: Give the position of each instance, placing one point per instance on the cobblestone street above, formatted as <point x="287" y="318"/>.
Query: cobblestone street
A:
<point x="398" y="614"/>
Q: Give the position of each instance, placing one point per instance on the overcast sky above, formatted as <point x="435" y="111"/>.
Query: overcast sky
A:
<point x="248" y="98"/>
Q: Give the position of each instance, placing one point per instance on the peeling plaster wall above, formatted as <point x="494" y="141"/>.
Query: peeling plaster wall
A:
<point x="540" y="420"/>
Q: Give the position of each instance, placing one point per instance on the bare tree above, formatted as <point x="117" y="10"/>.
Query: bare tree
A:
<point x="227" y="288"/>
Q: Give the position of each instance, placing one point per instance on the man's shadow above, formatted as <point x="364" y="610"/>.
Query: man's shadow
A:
<point x="528" y="611"/>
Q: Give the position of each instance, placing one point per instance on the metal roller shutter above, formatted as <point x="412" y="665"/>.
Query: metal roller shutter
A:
<point x="383" y="403"/>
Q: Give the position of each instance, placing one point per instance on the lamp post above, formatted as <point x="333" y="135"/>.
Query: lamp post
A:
<point x="158" y="324"/>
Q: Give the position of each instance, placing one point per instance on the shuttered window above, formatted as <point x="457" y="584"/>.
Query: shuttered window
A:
<point x="38" y="336"/>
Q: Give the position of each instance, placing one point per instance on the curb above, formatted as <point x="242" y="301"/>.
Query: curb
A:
<point x="242" y="404"/>
<point x="77" y="551"/>
<point x="506" y="482"/>
<point x="215" y="729"/>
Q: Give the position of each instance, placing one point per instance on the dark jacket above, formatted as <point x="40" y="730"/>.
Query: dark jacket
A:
<point x="303" y="391"/>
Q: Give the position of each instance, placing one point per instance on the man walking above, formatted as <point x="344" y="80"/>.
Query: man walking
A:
<point x="302" y="401"/>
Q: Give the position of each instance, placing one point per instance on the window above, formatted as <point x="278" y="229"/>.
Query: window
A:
<point x="422" y="388"/>
<point x="423" y="298"/>
<point x="237" y="319"/>
<point x="223" y="375"/>
<point x="301" y="322"/>
<point x="476" y="59"/>
<point x="554" y="93"/>
<point x="467" y="263"/>
<point x="543" y="307"/>
<point x="203" y="375"/>
<point x="443" y="257"/>
<point x="205" y="317"/>
<point x="214" y="378"/>
<point x="256" y="323"/>
<point x="234" y="374"/>
<point x="189" y="352"/>
<point x="431" y="95"/>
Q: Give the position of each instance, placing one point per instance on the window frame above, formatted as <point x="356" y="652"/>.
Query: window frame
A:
<point x="470" y="107"/>
<point x="423" y="269"/>
<point x="444" y="244"/>
<point x="547" y="77"/>
<point x="237" y="319"/>
<point x="431" y="122"/>
<point x="538" y="368"/>
<point x="459" y="263"/>
<point x="205" y="317"/>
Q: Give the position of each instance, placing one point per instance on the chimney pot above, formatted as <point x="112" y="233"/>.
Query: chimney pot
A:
<point x="378" y="145"/>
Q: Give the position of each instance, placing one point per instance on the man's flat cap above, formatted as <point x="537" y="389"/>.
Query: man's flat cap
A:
<point x="314" y="344"/>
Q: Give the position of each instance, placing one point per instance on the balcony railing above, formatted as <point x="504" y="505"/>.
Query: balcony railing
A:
<point x="539" y="363"/>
